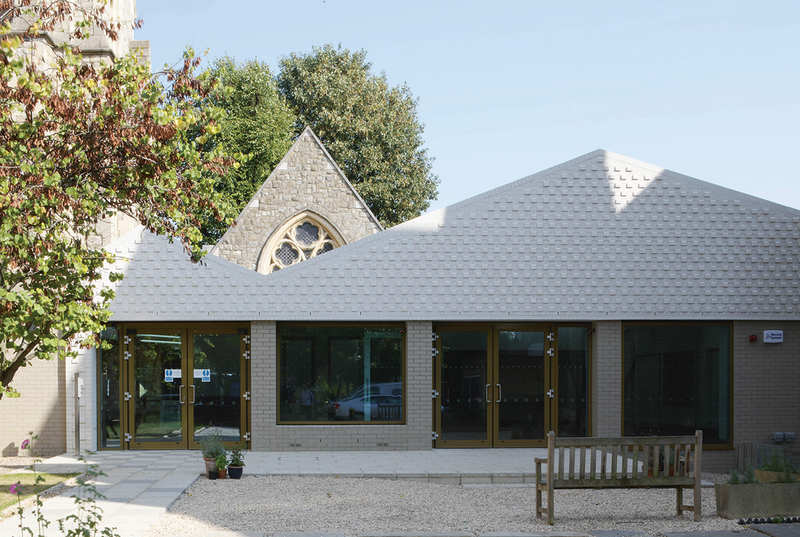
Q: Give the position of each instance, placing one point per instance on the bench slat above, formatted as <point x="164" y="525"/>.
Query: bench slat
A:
<point x="624" y="441"/>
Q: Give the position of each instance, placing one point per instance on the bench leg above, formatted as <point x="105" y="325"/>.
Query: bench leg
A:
<point x="538" y="502"/>
<point x="679" y="490"/>
<point x="698" y="504"/>
<point x="550" y="511"/>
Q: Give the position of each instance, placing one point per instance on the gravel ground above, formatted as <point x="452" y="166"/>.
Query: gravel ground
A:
<point x="311" y="504"/>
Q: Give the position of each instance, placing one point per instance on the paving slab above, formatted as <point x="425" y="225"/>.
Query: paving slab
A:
<point x="615" y="533"/>
<point x="744" y="532"/>
<point x="777" y="530"/>
<point x="306" y="534"/>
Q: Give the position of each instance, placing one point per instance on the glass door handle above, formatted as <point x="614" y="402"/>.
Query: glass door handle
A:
<point x="486" y="393"/>
<point x="499" y="393"/>
<point x="192" y="387"/>
<point x="180" y="394"/>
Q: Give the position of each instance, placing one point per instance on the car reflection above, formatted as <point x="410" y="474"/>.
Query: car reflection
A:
<point x="381" y="407"/>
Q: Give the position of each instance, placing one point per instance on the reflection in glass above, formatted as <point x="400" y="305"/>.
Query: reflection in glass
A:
<point x="341" y="373"/>
<point x="573" y="381"/>
<point x="677" y="380"/>
<point x="522" y="376"/>
<point x="463" y="385"/>
<point x="216" y="396"/>
<point x="156" y="398"/>
<point x="109" y="389"/>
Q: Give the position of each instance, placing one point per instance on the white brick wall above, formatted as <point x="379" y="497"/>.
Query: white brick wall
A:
<point x="40" y="409"/>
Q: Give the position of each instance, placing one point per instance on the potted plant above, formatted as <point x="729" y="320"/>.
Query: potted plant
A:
<point x="210" y="447"/>
<point x="236" y="463"/>
<point x="743" y="496"/>
<point x="221" y="462"/>
<point x="778" y="469"/>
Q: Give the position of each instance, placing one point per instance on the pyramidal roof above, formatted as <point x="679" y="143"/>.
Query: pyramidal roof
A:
<point x="602" y="236"/>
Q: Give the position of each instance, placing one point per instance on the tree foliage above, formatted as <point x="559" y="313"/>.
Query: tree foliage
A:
<point x="370" y="129"/>
<point x="80" y="142"/>
<point x="256" y="123"/>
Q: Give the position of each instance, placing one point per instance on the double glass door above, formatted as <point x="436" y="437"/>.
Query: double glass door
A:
<point x="181" y="383"/>
<point x="509" y="385"/>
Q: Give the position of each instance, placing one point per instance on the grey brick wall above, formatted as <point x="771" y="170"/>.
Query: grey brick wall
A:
<point x="268" y="436"/>
<point x="766" y="389"/>
<point x="607" y="379"/>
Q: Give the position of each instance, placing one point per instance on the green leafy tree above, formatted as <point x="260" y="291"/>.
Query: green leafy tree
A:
<point x="370" y="129"/>
<point x="256" y="124"/>
<point x="80" y="142"/>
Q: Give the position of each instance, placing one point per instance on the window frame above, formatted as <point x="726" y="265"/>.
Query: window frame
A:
<point x="403" y="331"/>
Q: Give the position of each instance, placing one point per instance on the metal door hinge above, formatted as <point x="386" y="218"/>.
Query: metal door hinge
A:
<point x="127" y="340"/>
<point x="128" y="437"/>
<point x="434" y="352"/>
<point x="550" y="352"/>
<point x="246" y="340"/>
<point x="434" y="435"/>
<point x="128" y="396"/>
<point x="434" y="394"/>
<point x="246" y="396"/>
<point x="247" y="437"/>
<point x="127" y="355"/>
<point x="551" y="393"/>
<point x="434" y="337"/>
<point x="246" y="355"/>
<point x="551" y="336"/>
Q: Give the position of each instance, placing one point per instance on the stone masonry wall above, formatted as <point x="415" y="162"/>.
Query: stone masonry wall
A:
<point x="40" y="408"/>
<point x="305" y="180"/>
<point x="268" y="436"/>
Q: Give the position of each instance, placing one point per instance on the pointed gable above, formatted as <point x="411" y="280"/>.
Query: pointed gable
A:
<point x="307" y="189"/>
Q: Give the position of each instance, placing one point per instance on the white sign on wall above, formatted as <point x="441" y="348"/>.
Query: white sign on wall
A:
<point x="773" y="336"/>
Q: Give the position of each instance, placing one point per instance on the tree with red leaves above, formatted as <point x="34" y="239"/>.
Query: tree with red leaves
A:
<point x="81" y="142"/>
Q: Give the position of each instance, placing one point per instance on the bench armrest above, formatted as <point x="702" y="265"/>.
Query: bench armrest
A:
<point x="540" y="461"/>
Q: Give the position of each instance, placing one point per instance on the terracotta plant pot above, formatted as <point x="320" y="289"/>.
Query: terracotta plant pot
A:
<point x="211" y="465"/>
<point x="223" y="473"/>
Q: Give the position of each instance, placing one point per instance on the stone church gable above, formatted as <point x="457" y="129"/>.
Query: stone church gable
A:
<point x="306" y="185"/>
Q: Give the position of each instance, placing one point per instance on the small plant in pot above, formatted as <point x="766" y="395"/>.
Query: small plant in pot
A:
<point x="211" y="446"/>
<point x="236" y="463"/>
<point x="221" y="462"/>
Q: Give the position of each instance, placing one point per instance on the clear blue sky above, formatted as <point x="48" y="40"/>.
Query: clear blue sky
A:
<point x="706" y="88"/>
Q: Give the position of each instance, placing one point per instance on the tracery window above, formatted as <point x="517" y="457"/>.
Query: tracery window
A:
<point x="303" y="237"/>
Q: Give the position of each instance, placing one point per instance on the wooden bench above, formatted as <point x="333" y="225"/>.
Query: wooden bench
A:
<point x="635" y="462"/>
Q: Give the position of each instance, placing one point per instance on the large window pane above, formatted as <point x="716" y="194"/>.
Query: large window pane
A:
<point x="677" y="380"/>
<point x="341" y="374"/>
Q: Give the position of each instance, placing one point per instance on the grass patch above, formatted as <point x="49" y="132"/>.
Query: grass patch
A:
<point x="29" y="488"/>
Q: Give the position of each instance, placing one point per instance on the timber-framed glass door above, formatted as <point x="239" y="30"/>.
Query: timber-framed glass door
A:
<point x="184" y="382"/>
<point x="503" y="385"/>
<point x="156" y="395"/>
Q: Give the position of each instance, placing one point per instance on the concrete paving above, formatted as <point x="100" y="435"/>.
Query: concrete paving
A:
<point x="139" y="486"/>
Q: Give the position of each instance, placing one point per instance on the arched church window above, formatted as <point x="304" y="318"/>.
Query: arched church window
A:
<point x="303" y="237"/>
